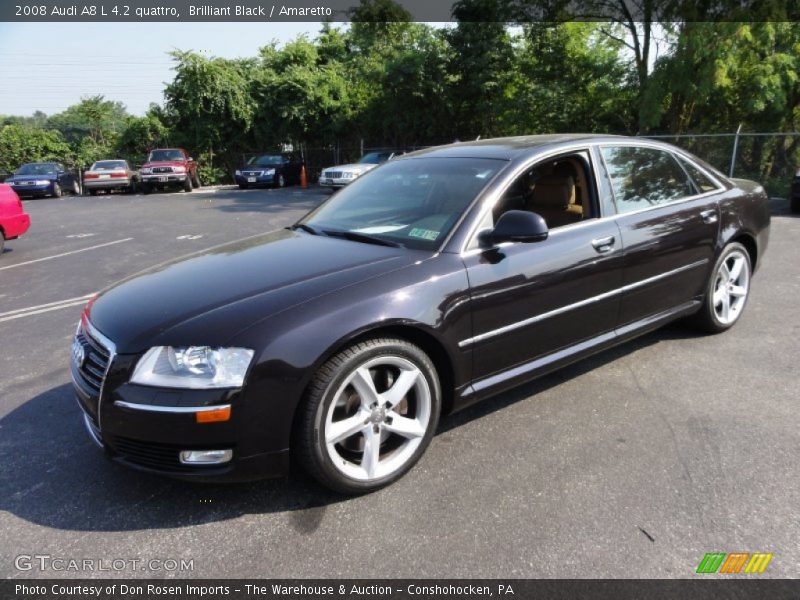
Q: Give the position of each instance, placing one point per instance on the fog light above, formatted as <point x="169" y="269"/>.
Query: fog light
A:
<point x="205" y="457"/>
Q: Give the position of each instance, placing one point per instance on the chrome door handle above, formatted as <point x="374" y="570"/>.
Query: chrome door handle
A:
<point x="709" y="216"/>
<point x="603" y="244"/>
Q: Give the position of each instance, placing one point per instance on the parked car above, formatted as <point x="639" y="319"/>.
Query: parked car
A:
<point x="169" y="168"/>
<point x="794" y="194"/>
<point x="14" y="221"/>
<point x="44" y="179"/>
<point x="443" y="277"/>
<point x="277" y="170"/>
<point x="110" y="175"/>
<point x="340" y="176"/>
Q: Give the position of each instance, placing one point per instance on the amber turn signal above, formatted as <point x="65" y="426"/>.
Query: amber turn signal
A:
<point x="214" y="416"/>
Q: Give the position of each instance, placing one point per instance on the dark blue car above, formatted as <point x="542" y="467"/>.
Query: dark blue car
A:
<point x="279" y="170"/>
<point x="44" y="179"/>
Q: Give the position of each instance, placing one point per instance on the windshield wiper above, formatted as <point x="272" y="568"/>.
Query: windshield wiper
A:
<point x="362" y="237"/>
<point x="307" y="228"/>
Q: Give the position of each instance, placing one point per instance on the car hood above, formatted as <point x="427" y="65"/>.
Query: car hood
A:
<point x="209" y="297"/>
<point x="165" y="163"/>
<point x="361" y="167"/>
<point x="49" y="177"/>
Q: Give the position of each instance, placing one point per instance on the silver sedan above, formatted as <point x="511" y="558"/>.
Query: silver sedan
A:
<point x="110" y="175"/>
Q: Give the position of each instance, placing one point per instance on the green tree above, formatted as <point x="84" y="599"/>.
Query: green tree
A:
<point x="19" y="145"/>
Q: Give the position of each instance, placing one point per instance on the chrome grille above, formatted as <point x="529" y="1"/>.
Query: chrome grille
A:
<point x="252" y="173"/>
<point x="332" y="174"/>
<point x="96" y="358"/>
<point x="162" y="169"/>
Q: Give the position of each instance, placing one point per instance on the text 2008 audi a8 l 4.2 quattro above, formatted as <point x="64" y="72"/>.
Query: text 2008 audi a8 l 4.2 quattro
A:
<point x="433" y="281"/>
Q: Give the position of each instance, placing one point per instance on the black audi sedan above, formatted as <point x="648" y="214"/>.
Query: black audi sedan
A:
<point x="435" y="280"/>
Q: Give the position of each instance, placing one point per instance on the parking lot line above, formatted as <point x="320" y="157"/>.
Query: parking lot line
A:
<point x="43" y="308"/>
<point x="30" y="262"/>
<point x="48" y="305"/>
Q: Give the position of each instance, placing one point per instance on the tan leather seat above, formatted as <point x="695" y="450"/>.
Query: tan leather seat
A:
<point x="553" y="197"/>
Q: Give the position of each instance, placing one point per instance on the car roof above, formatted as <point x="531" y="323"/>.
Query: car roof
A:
<point x="509" y="148"/>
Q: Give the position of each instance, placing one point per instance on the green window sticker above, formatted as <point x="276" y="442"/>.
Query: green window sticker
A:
<point x="425" y="234"/>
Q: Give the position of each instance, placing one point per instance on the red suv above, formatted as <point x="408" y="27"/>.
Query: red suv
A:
<point x="169" y="168"/>
<point x="14" y="221"/>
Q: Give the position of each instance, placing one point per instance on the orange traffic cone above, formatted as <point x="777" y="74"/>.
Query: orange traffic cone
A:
<point x="303" y="177"/>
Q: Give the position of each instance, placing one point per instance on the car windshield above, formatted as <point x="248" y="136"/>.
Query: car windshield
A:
<point x="264" y="159"/>
<point x="109" y="165"/>
<point x="410" y="202"/>
<point x="375" y="158"/>
<point x="37" y="169"/>
<point x="157" y="155"/>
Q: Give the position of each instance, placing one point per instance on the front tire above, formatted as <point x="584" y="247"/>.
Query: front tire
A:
<point x="368" y="415"/>
<point x="56" y="191"/>
<point x="76" y="188"/>
<point x="727" y="291"/>
<point x="187" y="184"/>
<point x="281" y="180"/>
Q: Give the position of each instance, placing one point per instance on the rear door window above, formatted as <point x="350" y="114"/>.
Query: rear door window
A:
<point x="644" y="177"/>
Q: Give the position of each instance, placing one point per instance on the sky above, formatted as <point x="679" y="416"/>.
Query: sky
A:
<point x="49" y="66"/>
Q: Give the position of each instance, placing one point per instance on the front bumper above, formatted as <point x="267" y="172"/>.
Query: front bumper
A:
<point x="33" y="190"/>
<point x="255" y="179"/>
<point x="334" y="183"/>
<point x="15" y="226"/>
<point x="164" y="179"/>
<point x="146" y="428"/>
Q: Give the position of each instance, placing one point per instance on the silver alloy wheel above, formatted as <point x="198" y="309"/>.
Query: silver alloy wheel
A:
<point x="378" y="418"/>
<point x="731" y="287"/>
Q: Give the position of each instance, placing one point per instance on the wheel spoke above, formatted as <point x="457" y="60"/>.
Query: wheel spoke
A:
<point x="403" y="426"/>
<point x="372" y="452"/>
<point x="719" y="294"/>
<point x="738" y="291"/>
<point x="341" y="430"/>
<point x="365" y="386"/>
<point x="399" y="390"/>
<point x="736" y="269"/>
<point x="725" y="308"/>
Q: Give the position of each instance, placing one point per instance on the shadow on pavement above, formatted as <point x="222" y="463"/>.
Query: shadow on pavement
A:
<point x="54" y="476"/>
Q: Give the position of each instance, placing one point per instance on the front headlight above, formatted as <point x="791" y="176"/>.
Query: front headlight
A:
<point x="238" y="172"/>
<point x="42" y="182"/>
<point x="146" y="170"/>
<point x="269" y="171"/>
<point x="179" y="169"/>
<point x="193" y="367"/>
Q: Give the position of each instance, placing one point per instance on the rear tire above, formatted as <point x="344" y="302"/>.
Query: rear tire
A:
<point x="196" y="180"/>
<point x="727" y="290"/>
<point x="368" y="415"/>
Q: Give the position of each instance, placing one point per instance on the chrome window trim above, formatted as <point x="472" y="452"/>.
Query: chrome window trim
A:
<point x="169" y="409"/>
<point x="557" y="311"/>
<point x="491" y="200"/>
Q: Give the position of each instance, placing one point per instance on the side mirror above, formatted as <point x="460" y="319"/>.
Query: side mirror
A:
<point x="516" y="226"/>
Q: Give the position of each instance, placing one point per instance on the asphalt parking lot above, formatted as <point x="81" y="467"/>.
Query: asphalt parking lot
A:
<point x="634" y="463"/>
